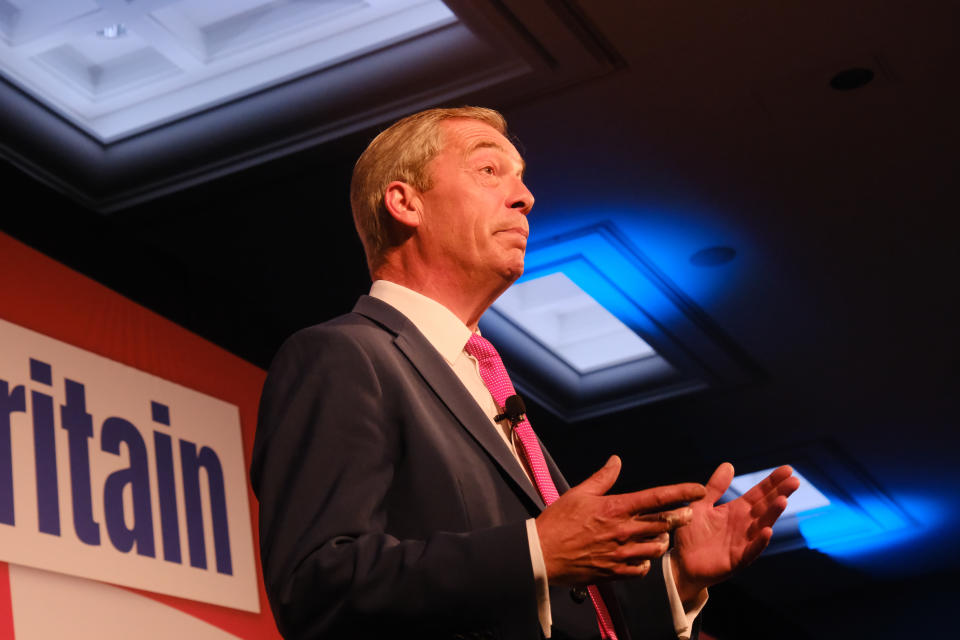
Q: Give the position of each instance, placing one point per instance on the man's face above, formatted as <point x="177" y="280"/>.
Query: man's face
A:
<point x="474" y="225"/>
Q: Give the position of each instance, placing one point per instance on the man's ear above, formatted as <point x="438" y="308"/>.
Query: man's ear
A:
<point x="403" y="202"/>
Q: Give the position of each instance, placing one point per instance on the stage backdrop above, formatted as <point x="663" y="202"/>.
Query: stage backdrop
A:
<point x="124" y="443"/>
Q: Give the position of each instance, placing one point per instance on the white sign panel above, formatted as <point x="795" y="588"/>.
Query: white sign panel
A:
<point x="110" y="473"/>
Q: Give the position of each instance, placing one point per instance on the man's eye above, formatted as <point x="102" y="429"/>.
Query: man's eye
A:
<point x="488" y="170"/>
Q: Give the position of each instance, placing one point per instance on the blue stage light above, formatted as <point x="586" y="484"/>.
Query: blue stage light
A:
<point x="855" y="519"/>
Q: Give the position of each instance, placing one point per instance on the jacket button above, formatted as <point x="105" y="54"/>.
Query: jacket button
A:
<point x="578" y="594"/>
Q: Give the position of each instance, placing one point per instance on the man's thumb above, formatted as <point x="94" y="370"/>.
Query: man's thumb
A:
<point x="603" y="479"/>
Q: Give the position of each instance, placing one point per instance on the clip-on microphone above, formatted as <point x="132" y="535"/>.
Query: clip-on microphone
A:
<point x="514" y="409"/>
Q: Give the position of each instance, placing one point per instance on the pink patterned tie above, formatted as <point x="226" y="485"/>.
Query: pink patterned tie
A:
<point x="498" y="382"/>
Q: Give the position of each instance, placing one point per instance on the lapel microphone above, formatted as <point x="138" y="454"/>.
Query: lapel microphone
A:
<point x="514" y="409"/>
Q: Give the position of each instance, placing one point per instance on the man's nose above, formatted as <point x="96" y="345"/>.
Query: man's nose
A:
<point x="522" y="200"/>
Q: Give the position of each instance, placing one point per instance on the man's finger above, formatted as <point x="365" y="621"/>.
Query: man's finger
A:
<point x="780" y="492"/>
<point x="603" y="479"/>
<point x="628" y="570"/>
<point x="668" y="519"/>
<point x="719" y="482"/>
<point x="788" y="486"/>
<point x="648" y="526"/>
<point x="756" y="546"/>
<point x="768" y="484"/>
<point x="657" y="498"/>
<point x="633" y="553"/>
<point x="768" y="515"/>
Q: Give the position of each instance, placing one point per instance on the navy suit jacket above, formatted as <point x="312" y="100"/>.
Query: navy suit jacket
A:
<point x="389" y="507"/>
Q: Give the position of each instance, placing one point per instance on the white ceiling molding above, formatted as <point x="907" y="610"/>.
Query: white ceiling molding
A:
<point x="117" y="69"/>
<point x="224" y="91"/>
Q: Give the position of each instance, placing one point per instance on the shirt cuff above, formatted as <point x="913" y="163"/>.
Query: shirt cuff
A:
<point x="682" y="619"/>
<point x="540" y="578"/>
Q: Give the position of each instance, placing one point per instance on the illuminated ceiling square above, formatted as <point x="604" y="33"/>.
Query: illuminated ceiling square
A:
<point x="565" y="319"/>
<point x="24" y="20"/>
<point x="215" y="30"/>
<point x="115" y="69"/>
<point x="593" y="326"/>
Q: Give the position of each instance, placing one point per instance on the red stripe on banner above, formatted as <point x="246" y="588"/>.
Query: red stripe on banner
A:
<point x="6" y="605"/>
<point x="43" y="295"/>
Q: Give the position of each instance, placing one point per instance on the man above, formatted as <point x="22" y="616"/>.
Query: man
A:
<point x="395" y="498"/>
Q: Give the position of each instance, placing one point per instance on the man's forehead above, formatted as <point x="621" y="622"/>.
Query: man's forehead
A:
<point x="474" y="135"/>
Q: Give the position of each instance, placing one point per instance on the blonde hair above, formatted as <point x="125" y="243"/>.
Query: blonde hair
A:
<point x="401" y="152"/>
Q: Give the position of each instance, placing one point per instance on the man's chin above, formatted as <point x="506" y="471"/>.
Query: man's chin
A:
<point x="514" y="272"/>
<point x="509" y="265"/>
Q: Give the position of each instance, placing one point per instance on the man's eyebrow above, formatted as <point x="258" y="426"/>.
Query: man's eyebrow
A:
<point x="490" y="144"/>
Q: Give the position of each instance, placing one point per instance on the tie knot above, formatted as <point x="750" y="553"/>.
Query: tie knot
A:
<point x="491" y="368"/>
<point x="480" y="348"/>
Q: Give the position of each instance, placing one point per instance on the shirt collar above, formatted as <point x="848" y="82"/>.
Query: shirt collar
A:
<point x="441" y="327"/>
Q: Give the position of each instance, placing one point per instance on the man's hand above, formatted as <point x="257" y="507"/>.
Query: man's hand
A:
<point x="722" y="539"/>
<point x="587" y="536"/>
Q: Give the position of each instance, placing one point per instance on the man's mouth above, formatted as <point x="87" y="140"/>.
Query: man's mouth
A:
<point x="518" y="230"/>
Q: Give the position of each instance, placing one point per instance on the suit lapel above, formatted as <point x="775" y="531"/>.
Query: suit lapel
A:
<point x="444" y="382"/>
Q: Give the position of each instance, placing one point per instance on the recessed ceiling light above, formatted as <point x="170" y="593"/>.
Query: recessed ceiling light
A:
<point x="113" y="31"/>
<point x="713" y="256"/>
<point x="574" y="326"/>
<point x="850" y="79"/>
<point x="614" y="331"/>
<point x="145" y="64"/>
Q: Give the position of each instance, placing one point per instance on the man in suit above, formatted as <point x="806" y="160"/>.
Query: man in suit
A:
<point x="393" y="502"/>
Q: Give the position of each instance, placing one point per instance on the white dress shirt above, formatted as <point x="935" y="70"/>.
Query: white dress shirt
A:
<point x="448" y="335"/>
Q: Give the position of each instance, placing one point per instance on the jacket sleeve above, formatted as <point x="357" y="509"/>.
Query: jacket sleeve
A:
<point x="325" y="452"/>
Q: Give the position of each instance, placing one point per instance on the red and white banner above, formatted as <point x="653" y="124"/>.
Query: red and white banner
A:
<point x="125" y="509"/>
<point x="110" y="473"/>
